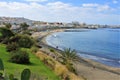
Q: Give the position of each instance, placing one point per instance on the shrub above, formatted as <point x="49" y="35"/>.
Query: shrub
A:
<point x="52" y="50"/>
<point x="69" y="56"/>
<point x="5" y="35"/>
<point x="49" y="62"/>
<point x="15" y="38"/>
<point x="20" y="57"/>
<point x="8" y="25"/>
<point x="37" y="45"/>
<point x="61" y="70"/>
<point x="22" y="40"/>
<point x="24" y="26"/>
<point x="35" y="76"/>
<point x="25" y="41"/>
<point x="71" y="68"/>
<point x="6" y="32"/>
<point x="5" y="40"/>
<point x="12" y="47"/>
<point x="27" y="32"/>
<point x="34" y="49"/>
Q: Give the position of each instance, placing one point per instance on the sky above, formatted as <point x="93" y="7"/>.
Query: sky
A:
<point x="83" y="11"/>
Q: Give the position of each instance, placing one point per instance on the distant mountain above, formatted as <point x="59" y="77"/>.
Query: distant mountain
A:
<point x="15" y="20"/>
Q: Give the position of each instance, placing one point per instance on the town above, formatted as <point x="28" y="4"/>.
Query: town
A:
<point x="42" y="25"/>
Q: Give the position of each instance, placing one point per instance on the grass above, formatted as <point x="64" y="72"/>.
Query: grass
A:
<point x="0" y="34"/>
<point x="59" y="68"/>
<point x="37" y="66"/>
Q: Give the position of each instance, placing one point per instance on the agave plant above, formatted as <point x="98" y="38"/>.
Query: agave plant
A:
<point x="69" y="56"/>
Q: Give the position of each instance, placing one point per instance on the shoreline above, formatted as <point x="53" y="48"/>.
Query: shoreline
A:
<point x="84" y="66"/>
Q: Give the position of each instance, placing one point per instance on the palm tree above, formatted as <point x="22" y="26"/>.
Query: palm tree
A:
<point x="69" y="56"/>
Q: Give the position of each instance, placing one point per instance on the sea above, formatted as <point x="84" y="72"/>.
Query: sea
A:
<point x="101" y="45"/>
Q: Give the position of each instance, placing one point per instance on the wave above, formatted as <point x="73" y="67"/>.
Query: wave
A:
<point x="109" y="62"/>
<point x="119" y="61"/>
<point x="94" y="57"/>
<point x="76" y="30"/>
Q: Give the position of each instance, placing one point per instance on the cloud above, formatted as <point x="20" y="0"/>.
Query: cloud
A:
<point x="97" y="7"/>
<point x="115" y="1"/>
<point x="59" y="11"/>
<point x="36" y="0"/>
<point x="103" y="8"/>
<point x="58" y="5"/>
<point x="90" y="5"/>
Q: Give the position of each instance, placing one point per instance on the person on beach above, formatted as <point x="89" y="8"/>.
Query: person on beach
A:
<point x="57" y="47"/>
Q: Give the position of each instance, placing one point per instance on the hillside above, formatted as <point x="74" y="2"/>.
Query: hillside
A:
<point x="37" y="67"/>
<point x="16" y="20"/>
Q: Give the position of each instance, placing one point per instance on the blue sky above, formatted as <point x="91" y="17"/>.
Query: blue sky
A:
<point x="88" y="11"/>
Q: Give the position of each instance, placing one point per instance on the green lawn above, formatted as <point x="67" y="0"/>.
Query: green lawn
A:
<point x="37" y="67"/>
<point x="0" y="34"/>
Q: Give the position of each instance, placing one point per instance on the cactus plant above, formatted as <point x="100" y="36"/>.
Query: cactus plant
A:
<point x="25" y="75"/>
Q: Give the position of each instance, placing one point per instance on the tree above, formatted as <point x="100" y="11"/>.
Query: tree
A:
<point x="20" y="57"/>
<point x="5" y="34"/>
<point x="12" y="47"/>
<point x="25" y="41"/>
<point x="8" y="25"/>
<point x="24" y="26"/>
<point x="69" y="56"/>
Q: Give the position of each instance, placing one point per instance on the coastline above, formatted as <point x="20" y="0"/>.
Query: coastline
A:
<point x="90" y="69"/>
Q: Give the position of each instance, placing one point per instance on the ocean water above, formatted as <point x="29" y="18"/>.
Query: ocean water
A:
<point x="102" y="45"/>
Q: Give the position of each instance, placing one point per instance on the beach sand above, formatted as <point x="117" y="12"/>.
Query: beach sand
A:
<point x="95" y="73"/>
<point x="89" y="69"/>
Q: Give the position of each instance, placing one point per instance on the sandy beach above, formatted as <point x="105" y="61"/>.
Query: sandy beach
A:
<point x="89" y="69"/>
<point x="92" y="73"/>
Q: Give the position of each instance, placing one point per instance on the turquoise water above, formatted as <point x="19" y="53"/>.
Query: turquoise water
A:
<point x="101" y="45"/>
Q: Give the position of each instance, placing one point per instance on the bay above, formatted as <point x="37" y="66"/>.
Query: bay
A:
<point x="102" y="45"/>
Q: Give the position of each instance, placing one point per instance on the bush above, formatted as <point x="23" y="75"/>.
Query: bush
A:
<point x="5" y="40"/>
<point x="8" y="25"/>
<point x="34" y="49"/>
<point x="22" y="40"/>
<point x="27" y="32"/>
<point x="20" y="57"/>
<point x="71" y="68"/>
<point x="49" y="62"/>
<point x="6" y="32"/>
<point x="12" y="47"/>
<point x="5" y="35"/>
<point x="25" y="41"/>
<point x="24" y="26"/>
<point x="15" y="38"/>
<point x="52" y="50"/>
